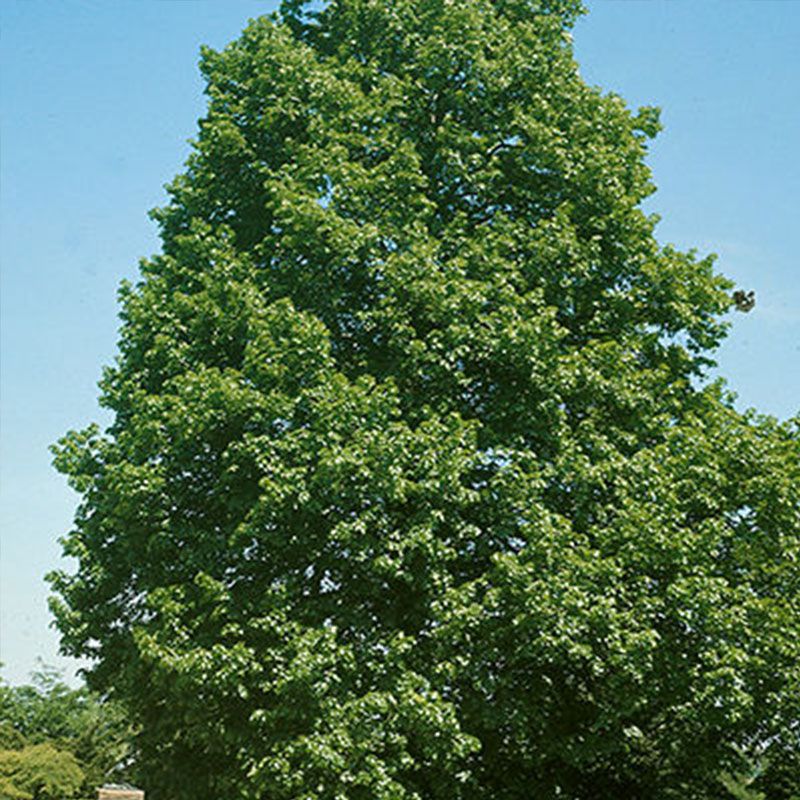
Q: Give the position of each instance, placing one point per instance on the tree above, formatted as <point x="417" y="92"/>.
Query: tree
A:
<point x="39" y="772"/>
<point x="58" y="742"/>
<point x="415" y="488"/>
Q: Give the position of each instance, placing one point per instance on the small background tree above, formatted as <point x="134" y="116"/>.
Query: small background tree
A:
<point x="58" y="742"/>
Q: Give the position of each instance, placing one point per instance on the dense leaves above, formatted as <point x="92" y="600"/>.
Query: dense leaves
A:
<point x="411" y="491"/>
<point x="57" y="742"/>
<point x="39" y="771"/>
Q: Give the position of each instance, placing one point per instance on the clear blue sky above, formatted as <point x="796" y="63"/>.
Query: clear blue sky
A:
<point x="99" y="97"/>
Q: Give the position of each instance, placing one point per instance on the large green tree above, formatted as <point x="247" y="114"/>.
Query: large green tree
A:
<point x="414" y="488"/>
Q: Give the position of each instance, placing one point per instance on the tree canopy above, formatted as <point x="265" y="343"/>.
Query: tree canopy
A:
<point x="415" y="487"/>
<point x="57" y="742"/>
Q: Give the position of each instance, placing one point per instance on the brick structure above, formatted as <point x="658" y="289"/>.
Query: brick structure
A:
<point x="119" y="792"/>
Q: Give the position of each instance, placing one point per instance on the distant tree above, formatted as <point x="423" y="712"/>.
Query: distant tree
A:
<point x="414" y="488"/>
<point x="52" y="733"/>
<point x="39" y="772"/>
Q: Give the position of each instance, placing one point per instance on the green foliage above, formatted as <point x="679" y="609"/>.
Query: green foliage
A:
<point x="738" y="787"/>
<point x="59" y="741"/>
<point x="39" y="772"/>
<point x="411" y="492"/>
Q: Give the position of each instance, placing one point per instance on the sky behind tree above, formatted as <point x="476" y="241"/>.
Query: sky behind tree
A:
<point x="98" y="101"/>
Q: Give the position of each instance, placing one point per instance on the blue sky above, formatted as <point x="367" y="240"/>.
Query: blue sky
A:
<point x="99" y="97"/>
